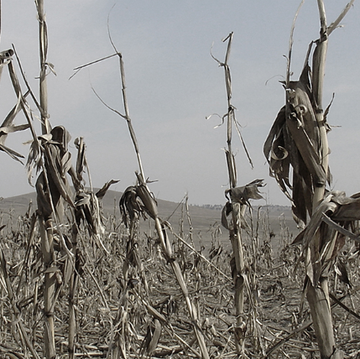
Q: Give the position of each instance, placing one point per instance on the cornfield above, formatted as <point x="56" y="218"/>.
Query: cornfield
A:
<point x="79" y="279"/>
<point x="149" y="301"/>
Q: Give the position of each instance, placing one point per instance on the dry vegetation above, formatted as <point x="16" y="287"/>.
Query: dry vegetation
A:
<point x="278" y="323"/>
<point x="133" y="281"/>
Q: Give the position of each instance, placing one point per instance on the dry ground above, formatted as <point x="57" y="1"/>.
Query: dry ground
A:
<point x="111" y="311"/>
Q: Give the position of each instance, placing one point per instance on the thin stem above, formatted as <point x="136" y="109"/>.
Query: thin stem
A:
<point x="322" y="14"/>
<point x="43" y="40"/>
<point x="128" y="119"/>
<point x="336" y="23"/>
<point x="234" y="232"/>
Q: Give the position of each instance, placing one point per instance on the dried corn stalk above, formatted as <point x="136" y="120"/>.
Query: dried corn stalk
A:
<point x="297" y="144"/>
<point x="17" y="318"/>
<point x="140" y="195"/>
<point x="87" y="211"/>
<point x="44" y="65"/>
<point x="47" y="189"/>
<point x="238" y="199"/>
<point x="139" y="200"/>
<point x="322" y="240"/>
<point x="52" y="189"/>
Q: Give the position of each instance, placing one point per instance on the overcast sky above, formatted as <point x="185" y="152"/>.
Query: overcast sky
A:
<point x="173" y="84"/>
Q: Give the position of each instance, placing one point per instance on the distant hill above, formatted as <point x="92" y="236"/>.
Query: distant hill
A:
<point x="204" y="219"/>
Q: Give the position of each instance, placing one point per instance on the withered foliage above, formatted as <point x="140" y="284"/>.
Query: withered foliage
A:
<point x="52" y="184"/>
<point x="297" y="151"/>
<point x="137" y="201"/>
<point x="8" y="126"/>
<point x="336" y="220"/>
<point x="240" y="195"/>
<point x="293" y="147"/>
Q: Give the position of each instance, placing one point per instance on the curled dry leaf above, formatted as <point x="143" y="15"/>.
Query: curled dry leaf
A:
<point x="243" y="194"/>
<point x="341" y="270"/>
<point x="50" y="153"/>
<point x="240" y="196"/>
<point x="101" y="193"/>
<point x="13" y="154"/>
<point x="136" y="201"/>
<point x="294" y="145"/>
<point x="130" y="205"/>
<point x="87" y="210"/>
<point x="230" y="212"/>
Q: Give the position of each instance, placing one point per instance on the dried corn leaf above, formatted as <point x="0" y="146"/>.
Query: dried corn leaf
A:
<point x="156" y="314"/>
<point x="135" y="201"/>
<point x="224" y="214"/>
<point x="45" y="208"/>
<point x="307" y="149"/>
<point x="52" y="157"/>
<point x="293" y="147"/>
<point x="130" y="205"/>
<point x="101" y="193"/>
<point x="4" y="130"/>
<point x="348" y="211"/>
<point x="227" y="217"/>
<point x="331" y="219"/>
<point x="81" y="160"/>
<point x="152" y="338"/>
<point x="276" y="150"/>
<point x="8" y="127"/>
<point x="243" y="194"/>
<point x="57" y="162"/>
<point x="34" y="161"/>
<point x="87" y="210"/>
<point x="342" y="271"/>
<point x="5" y="58"/>
<point x="8" y="122"/>
<point x="13" y="154"/>
<point x="342" y="230"/>
<point x="87" y="204"/>
<point x="56" y="174"/>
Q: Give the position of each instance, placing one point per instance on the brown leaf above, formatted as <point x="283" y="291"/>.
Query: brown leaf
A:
<point x="13" y="154"/>
<point x="349" y="211"/>
<point x="43" y="200"/>
<point x="101" y="193"/>
<point x="342" y="272"/>
<point x="243" y="194"/>
<point x="87" y="209"/>
<point x="293" y="147"/>
<point x="324" y="236"/>
<point x="13" y="128"/>
<point x="130" y="206"/>
<point x="155" y="337"/>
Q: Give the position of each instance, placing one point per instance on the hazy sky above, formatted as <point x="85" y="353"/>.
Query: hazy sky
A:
<point x="173" y="84"/>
